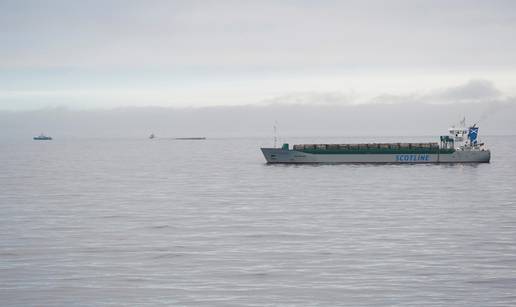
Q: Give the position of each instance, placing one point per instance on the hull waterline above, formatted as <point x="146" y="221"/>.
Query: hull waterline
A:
<point x="279" y="155"/>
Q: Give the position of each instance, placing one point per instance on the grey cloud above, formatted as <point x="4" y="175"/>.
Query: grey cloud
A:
<point x="477" y="90"/>
<point x="473" y="90"/>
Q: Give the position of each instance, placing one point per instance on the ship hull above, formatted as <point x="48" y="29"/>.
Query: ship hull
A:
<point x="278" y="155"/>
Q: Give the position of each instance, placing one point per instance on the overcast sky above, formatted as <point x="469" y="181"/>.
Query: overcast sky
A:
<point x="104" y="54"/>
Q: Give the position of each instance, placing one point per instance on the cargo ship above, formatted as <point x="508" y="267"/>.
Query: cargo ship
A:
<point x="461" y="145"/>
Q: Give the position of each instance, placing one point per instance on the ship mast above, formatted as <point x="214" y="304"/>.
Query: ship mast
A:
<point x="275" y="133"/>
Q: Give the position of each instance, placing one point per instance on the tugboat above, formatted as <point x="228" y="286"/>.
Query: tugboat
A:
<point x="42" y="137"/>
<point x="460" y="146"/>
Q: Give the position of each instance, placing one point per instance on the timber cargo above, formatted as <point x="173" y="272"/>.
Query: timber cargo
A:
<point x="371" y="148"/>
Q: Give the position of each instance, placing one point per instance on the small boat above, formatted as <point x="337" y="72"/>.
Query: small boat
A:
<point x="42" y="137"/>
<point x="152" y="136"/>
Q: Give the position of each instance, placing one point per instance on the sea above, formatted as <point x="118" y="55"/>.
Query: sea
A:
<point x="163" y="222"/>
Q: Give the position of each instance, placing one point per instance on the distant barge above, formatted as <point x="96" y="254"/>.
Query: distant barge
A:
<point x="192" y="138"/>
<point x="458" y="147"/>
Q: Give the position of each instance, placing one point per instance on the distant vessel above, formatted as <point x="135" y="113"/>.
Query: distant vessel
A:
<point x="42" y="137"/>
<point x="461" y="145"/>
<point x="191" y="138"/>
<point x="152" y="136"/>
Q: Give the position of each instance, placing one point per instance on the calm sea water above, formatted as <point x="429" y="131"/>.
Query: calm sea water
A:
<point x="208" y="223"/>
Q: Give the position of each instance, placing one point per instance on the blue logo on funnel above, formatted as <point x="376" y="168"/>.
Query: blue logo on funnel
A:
<point x="472" y="134"/>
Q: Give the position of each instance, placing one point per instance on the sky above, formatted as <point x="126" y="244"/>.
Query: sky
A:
<point x="108" y="54"/>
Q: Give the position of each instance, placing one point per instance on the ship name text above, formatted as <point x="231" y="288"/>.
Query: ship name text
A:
<point x="412" y="157"/>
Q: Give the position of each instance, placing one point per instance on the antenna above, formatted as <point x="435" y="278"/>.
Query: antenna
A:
<point x="275" y="133"/>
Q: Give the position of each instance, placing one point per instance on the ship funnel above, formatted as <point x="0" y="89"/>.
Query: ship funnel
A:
<point x="473" y="134"/>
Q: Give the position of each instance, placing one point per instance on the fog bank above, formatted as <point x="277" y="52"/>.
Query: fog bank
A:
<point x="496" y="118"/>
